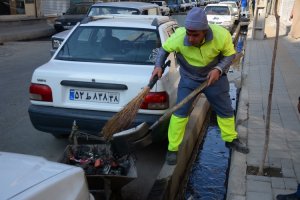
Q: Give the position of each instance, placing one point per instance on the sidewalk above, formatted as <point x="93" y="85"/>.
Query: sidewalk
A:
<point x="25" y="28"/>
<point x="284" y="144"/>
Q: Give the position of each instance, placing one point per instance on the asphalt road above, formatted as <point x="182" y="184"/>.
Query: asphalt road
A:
<point x="17" y="62"/>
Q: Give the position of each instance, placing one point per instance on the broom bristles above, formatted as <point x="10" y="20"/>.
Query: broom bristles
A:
<point x="123" y="119"/>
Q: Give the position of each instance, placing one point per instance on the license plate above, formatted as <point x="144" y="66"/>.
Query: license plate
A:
<point x="93" y="96"/>
<point x="68" y="27"/>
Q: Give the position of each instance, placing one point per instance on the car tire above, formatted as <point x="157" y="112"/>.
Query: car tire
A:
<point x="60" y="136"/>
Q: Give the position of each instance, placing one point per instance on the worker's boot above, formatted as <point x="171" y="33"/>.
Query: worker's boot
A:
<point x="237" y="145"/>
<point x="171" y="157"/>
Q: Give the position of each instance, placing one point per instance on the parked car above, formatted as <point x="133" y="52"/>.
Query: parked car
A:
<point x="195" y="3"/>
<point x="183" y="5"/>
<point x="98" y="69"/>
<point x="31" y="177"/>
<point x="189" y="4"/>
<point x="206" y="2"/>
<point x="164" y="9"/>
<point x="235" y="8"/>
<point x="238" y="2"/>
<point x="221" y="14"/>
<point x="134" y="8"/>
<point x="73" y="15"/>
<point x="174" y="6"/>
<point x="124" y="7"/>
<point x="201" y="3"/>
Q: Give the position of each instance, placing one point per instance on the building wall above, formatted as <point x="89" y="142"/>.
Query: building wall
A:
<point x="285" y="8"/>
<point x="54" y="7"/>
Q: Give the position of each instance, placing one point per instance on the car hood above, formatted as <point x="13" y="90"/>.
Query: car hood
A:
<point x="70" y="18"/>
<point x="62" y="35"/>
<point x="20" y="172"/>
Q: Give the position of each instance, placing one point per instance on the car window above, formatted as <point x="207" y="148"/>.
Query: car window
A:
<point x="104" y="10"/>
<point x="160" y="3"/>
<point x="231" y="4"/>
<point x="78" y="10"/>
<point x="217" y="10"/>
<point x="151" y="11"/>
<point x="111" y="44"/>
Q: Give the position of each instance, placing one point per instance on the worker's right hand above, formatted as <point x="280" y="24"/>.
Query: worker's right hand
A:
<point x="157" y="71"/>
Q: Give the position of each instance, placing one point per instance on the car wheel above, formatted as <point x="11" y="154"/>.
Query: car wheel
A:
<point x="60" y="136"/>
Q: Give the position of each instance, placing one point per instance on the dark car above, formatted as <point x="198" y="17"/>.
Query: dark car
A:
<point x="74" y="14"/>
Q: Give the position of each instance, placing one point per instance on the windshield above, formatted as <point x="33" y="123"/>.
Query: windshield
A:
<point x="78" y="10"/>
<point x="104" y="10"/>
<point x="111" y="44"/>
<point x="217" y="10"/>
<point x="231" y="4"/>
<point x="172" y="2"/>
<point x="157" y="2"/>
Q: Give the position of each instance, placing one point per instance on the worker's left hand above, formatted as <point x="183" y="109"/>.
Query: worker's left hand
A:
<point x="213" y="76"/>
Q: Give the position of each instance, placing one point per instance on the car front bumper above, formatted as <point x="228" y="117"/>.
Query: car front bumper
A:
<point x="59" y="121"/>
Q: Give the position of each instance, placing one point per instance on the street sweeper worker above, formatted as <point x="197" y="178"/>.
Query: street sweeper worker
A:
<point x="204" y="52"/>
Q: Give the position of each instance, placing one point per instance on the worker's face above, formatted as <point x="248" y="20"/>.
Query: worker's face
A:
<point x="195" y="38"/>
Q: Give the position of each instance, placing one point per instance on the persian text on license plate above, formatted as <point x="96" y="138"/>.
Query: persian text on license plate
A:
<point x="100" y="96"/>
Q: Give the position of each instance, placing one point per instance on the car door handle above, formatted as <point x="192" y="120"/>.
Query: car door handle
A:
<point x="82" y="84"/>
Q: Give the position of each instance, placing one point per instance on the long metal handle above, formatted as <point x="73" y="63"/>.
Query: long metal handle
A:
<point x="180" y="104"/>
<point x="155" y="78"/>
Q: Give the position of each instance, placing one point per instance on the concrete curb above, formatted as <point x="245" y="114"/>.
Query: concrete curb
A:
<point x="237" y="182"/>
<point x="27" y="33"/>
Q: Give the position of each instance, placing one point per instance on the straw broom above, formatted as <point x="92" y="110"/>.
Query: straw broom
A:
<point x="125" y="117"/>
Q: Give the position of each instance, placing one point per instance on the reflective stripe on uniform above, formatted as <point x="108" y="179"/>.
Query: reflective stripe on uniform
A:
<point x="227" y="127"/>
<point x="176" y="131"/>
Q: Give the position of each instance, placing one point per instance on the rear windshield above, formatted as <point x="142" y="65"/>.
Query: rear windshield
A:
<point x="78" y="10"/>
<point x="231" y="4"/>
<point x="111" y="44"/>
<point x="157" y="2"/>
<point x="104" y="10"/>
<point x="217" y="10"/>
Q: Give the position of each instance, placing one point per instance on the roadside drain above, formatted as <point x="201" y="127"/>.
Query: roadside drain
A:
<point x="268" y="171"/>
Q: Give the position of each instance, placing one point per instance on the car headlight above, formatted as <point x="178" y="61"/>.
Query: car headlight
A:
<point x="56" y="43"/>
<point x="57" y="22"/>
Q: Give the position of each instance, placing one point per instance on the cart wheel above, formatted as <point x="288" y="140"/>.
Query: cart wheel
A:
<point x="116" y="195"/>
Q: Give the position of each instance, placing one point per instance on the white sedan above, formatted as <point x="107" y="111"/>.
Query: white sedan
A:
<point x="220" y="14"/>
<point x="98" y="69"/>
<point x="31" y="177"/>
<point x="235" y="8"/>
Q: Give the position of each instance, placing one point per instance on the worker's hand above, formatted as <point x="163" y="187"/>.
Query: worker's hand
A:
<point x="157" y="71"/>
<point x="213" y="76"/>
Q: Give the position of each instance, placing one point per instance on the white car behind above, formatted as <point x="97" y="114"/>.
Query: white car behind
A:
<point x="235" y="8"/>
<point x="164" y="9"/>
<point x="220" y="14"/>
